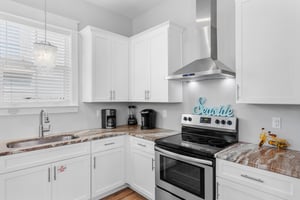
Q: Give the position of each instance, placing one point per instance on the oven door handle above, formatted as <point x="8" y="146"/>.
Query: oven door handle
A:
<point x="184" y="158"/>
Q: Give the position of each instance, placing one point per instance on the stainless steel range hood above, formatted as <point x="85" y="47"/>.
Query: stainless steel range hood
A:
<point x="206" y="68"/>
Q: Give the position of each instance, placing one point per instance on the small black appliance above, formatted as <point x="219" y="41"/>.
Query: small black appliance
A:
<point x="109" y="118"/>
<point x="131" y="118"/>
<point x="148" y="117"/>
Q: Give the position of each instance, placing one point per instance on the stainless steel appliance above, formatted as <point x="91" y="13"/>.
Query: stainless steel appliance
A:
<point x="206" y="67"/>
<point x="148" y="118"/>
<point x="185" y="163"/>
<point x="131" y="118"/>
<point x="109" y="118"/>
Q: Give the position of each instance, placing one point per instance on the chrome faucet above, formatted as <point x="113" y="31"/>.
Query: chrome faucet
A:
<point x="44" y="123"/>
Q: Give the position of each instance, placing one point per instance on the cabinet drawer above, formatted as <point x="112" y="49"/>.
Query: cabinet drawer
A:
<point x="141" y="144"/>
<point x="108" y="143"/>
<point x="266" y="181"/>
<point x="34" y="158"/>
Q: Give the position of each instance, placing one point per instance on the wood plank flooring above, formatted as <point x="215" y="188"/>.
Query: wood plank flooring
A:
<point x="125" y="194"/>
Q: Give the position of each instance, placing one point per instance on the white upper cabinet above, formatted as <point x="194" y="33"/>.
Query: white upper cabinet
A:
<point x="155" y="54"/>
<point x="105" y="63"/>
<point x="267" y="48"/>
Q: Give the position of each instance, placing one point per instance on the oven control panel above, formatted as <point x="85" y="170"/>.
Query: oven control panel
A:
<point x="227" y="123"/>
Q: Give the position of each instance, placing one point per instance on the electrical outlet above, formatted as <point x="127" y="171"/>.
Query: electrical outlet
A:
<point x="276" y="122"/>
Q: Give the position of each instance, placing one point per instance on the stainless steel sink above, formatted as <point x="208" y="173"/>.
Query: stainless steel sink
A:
<point x="39" y="141"/>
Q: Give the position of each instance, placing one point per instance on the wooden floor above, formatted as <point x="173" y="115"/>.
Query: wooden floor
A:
<point x="125" y="194"/>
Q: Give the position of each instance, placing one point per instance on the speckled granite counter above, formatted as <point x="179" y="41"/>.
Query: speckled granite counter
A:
<point x="89" y="135"/>
<point x="286" y="162"/>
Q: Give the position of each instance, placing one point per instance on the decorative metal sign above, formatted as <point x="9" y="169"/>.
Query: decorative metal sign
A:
<point x="221" y="111"/>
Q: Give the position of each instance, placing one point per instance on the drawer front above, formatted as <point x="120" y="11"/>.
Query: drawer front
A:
<point x="256" y="178"/>
<point x="141" y="144"/>
<point x="108" y="143"/>
<point x="34" y="158"/>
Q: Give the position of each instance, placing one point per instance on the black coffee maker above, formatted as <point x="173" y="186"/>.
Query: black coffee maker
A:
<point x="109" y="118"/>
<point x="148" y="117"/>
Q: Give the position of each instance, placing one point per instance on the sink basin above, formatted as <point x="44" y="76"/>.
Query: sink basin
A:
<point x="39" y="141"/>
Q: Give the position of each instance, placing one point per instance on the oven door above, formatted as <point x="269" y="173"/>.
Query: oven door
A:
<point x="183" y="176"/>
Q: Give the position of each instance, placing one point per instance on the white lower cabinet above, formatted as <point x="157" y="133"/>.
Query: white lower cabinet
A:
<point x="228" y="190"/>
<point x="141" y="167"/>
<point x="236" y="182"/>
<point x="65" y="180"/>
<point x="33" y="184"/>
<point x="108" y="169"/>
<point x="71" y="179"/>
<point x="61" y="173"/>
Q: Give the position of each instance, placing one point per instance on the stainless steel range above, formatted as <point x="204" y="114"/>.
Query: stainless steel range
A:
<point x="185" y="163"/>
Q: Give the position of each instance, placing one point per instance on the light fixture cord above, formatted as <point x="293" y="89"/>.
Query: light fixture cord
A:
<point x="45" y="22"/>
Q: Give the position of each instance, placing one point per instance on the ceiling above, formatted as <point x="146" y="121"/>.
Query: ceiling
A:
<point x="128" y="8"/>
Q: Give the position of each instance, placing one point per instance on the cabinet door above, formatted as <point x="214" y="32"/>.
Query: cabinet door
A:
<point x="101" y="68"/>
<point x="120" y="68"/>
<point x="227" y="190"/>
<point x="71" y="179"/>
<point x="267" y="51"/>
<point x="108" y="171"/>
<point x="139" y="73"/>
<point x="158" y="44"/>
<point x="143" y="173"/>
<point x="33" y="184"/>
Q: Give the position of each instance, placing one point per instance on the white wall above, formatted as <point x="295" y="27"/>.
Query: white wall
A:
<point x="12" y="127"/>
<point x="85" y="13"/>
<point x="218" y="92"/>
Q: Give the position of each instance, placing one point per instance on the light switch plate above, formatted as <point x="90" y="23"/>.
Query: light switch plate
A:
<point x="276" y="122"/>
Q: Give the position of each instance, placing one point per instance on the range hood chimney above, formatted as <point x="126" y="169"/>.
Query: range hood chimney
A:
<point x="206" y="68"/>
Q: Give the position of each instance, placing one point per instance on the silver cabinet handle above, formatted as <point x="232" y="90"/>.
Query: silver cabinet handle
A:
<point x="94" y="162"/>
<point x="237" y="91"/>
<point x="49" y="174"/>
<point x="146" y="95"/>
<point x="114" y="95"/>
<point x="110" y="94"/>
<point x="55" y="173"/>
<point x="108" y="144"/>
<point x="252" y="178"/>
<point x="153" y="166"/>
<point x="217" y="190"/>
<point x="142" y="145"/>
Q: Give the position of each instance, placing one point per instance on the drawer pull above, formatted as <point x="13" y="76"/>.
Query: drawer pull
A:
<point x="108" y="144"/>
<point x="142" y="145"/>
<point x="94" y="162"/>
<point x="252" y="178"/>
<point x="153" y="164"/>
<point x="55" y="173"/>
<point x="49" y="174"/>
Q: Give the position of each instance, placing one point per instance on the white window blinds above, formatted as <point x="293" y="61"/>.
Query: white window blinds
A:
<point x="23" y="83"/>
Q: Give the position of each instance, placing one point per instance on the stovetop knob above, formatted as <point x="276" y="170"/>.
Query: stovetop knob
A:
<point x="223" y="122"/>
<point x="184" y="118"/>
<point x="229" y="122"/>
<point x="190" y="119"/>
<point x="217" y="121"/>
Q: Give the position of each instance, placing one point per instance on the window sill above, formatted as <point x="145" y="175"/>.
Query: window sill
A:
<point x="12" y="111"/>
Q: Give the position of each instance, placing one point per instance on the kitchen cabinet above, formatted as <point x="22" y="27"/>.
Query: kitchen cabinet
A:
<point x="235" y="182"/>
<point x="33" y="184"/>
<point x="71" y="179"/>
<point x="267" y="51"/>
<point x="61" y="173"/>
<point x="108" y="168"/>
<point x="142" y="171"/>
<point x="155" y="53"/>
<point x="105" y="61"/>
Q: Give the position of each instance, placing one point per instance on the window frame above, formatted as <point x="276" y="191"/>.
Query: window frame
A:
<point x="51" y="107"/>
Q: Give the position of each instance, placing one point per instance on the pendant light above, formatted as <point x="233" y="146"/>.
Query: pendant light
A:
<point x="44" y="52"/>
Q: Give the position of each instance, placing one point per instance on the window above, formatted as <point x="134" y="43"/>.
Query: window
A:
<point x="22" y="84"/>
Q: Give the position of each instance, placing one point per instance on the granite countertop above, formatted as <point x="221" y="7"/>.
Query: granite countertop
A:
<point x="286" y="162"/>
<point x="89" y="135"/>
